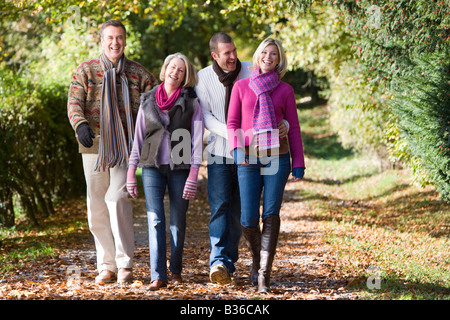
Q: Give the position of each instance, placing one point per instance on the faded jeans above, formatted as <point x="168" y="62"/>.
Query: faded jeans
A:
<point x="254" y="182"/>
<point x="155" y="181"/>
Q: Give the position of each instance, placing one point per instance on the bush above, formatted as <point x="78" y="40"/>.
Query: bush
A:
<point x="422" y="109"/>
<point x="39" y="157"/>
<point x="358" y="113"/>
<point x="404" y="46"/>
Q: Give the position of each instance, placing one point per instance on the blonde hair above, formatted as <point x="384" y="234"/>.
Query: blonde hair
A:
<point x="190" y="76"/>
<point x="282" y="65"/>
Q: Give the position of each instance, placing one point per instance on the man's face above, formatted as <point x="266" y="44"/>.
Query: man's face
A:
<point x="113" y="43"/>
<point x="226" y="56"/>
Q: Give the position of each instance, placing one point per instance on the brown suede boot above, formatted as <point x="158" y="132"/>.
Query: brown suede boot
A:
<point x="253" y="239"/>
<point x="269" y="239"/>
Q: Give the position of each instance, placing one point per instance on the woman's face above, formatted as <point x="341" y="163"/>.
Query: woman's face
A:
<point x="175" y="72"/>
<point x="269" y="58"/>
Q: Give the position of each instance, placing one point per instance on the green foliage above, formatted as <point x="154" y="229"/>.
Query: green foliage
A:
<point x="39" y="155"/>
<point x="315" y="41"/>
<point x="393" y="39"/>
<point x="358" y="112"/>
<point x="422" y="107"/>
<point x="392" y="33"/>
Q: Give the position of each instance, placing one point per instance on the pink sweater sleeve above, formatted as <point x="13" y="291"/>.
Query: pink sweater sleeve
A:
<point x="294" y="135"/>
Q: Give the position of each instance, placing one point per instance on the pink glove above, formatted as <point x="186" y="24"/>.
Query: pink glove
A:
<point x="191" y="184"/>
<point x="132" y="182"/>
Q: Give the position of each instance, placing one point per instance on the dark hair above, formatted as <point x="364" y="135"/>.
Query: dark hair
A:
<point x="114" y="23"/>
<point x="220" y="37"/>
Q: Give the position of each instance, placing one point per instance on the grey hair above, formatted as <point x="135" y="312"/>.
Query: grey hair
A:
<point x="190" y="76"/>
<point x="114" y="23"/>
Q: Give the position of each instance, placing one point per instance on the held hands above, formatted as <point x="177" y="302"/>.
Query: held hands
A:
<point x="298" y="173"/>
<point x="283" y="129"/>
<point x="190" y="188"/>
<point x="85" y="135"/>
<point x="239" y="156"/>
<point x="132" y="182"/>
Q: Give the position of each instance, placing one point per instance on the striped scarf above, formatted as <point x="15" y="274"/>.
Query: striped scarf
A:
<point x="113" y="148"/>
<point x="264" y="120"/>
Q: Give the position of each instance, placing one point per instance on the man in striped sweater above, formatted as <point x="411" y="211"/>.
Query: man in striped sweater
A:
<point x="103" y="103"/>
<point x="213" y="89"/>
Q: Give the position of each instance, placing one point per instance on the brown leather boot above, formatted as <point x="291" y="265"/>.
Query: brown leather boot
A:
<point x="253" y="240"/>
<point x="269" y="239"/>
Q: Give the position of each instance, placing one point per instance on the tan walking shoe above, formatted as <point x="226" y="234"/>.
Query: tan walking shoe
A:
<point x="105" y="276"/>
<point x="125" y="275"/>
<point x="219" y="274"/>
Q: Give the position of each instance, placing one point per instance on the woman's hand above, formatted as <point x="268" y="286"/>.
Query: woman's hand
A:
<point x="283" y="129"/>
<point x="298" y="173"/>
<point x="239" y="156"/>
<point x="132" y="182"/>
<point x="190" y="187"/>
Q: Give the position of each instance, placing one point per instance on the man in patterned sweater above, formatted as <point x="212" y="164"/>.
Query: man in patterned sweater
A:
<point x="103" y="103"/>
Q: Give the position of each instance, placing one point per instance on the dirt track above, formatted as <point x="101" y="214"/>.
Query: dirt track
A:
<point x="303" y="269"/>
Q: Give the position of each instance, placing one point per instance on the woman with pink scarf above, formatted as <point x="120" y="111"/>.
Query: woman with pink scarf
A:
<point x="263" y="157"/>
<point x="168" y="146"/>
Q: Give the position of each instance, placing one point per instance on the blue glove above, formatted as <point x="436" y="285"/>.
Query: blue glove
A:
<point x="238" y="155"/>
<point x="298" y="173"/>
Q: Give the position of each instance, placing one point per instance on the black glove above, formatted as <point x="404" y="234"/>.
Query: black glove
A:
<point x="85" y="135"/>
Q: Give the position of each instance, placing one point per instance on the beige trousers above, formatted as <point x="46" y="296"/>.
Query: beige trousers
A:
<point x="110" y="215"/>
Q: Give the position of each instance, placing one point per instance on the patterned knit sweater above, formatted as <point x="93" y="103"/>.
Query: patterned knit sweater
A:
<point x="85" y="93"/>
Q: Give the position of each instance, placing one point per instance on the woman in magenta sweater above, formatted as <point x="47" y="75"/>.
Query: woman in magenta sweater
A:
<point x="257" y="104"/>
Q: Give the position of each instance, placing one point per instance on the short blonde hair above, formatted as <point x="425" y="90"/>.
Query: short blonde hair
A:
<point x="282" y="65"/>
<point x="190" y="76"/>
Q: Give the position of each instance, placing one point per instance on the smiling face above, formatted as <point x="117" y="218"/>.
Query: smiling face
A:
<point x="175" y="73"/>
<point x="113" y="43"/>
<point x="226" y="56"/>
<point x="269" y="58"/>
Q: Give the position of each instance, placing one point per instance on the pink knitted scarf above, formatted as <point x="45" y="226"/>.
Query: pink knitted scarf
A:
<point x="264" y="120"/>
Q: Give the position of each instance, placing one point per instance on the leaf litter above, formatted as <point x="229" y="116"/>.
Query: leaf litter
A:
<point x="304" y="268"/>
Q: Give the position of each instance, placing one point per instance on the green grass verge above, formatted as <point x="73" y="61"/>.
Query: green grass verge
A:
<point x="390" y="237"/>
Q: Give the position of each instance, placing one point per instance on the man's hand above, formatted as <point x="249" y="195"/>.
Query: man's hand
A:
<point x="283" y="129"/>
<point x="85" y="135"/>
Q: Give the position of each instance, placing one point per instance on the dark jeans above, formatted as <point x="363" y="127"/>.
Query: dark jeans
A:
<point x="224" y="224"/>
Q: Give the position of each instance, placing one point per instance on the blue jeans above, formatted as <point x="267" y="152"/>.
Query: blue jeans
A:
<point x="253" y="182"/>
<point x="224" y="224"/>
<point x="155" y="181"/>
